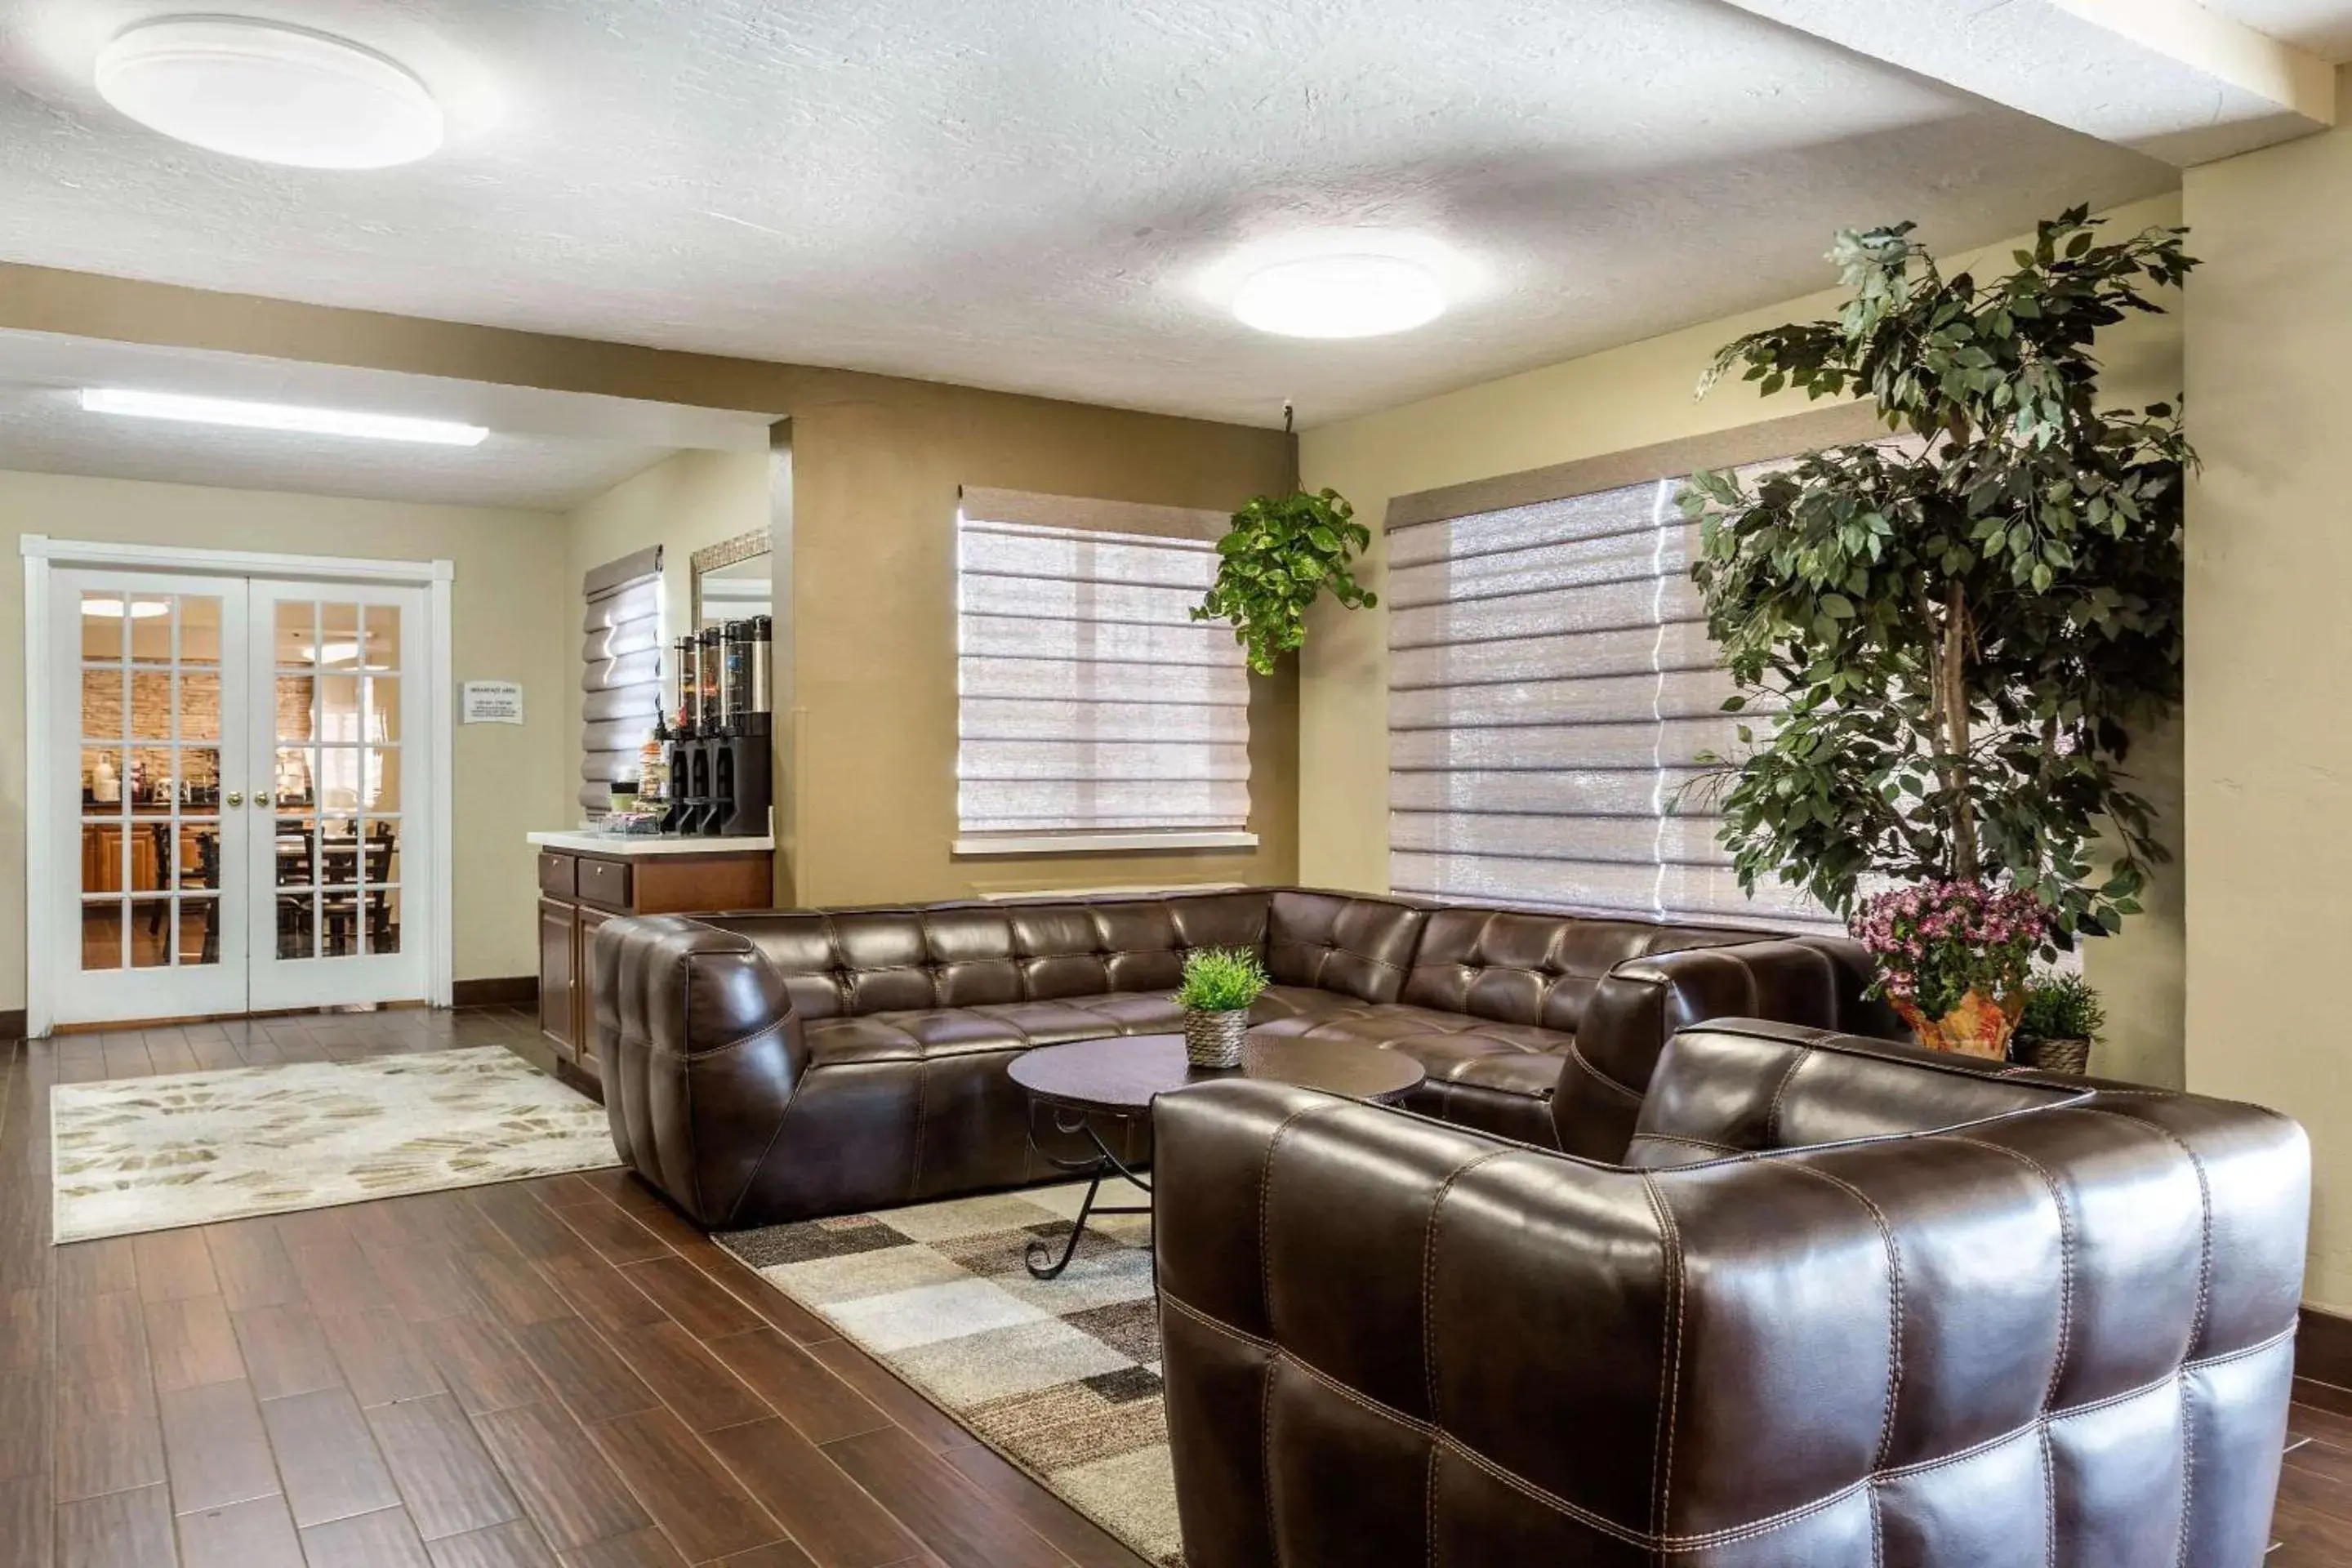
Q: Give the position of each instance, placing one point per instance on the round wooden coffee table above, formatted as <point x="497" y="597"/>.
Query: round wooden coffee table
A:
<point x="1118" y="1080"/>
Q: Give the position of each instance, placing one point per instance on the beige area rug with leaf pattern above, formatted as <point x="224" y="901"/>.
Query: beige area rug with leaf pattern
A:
<point x="1061" y="1376"/>
<point x="193" y="1147"/>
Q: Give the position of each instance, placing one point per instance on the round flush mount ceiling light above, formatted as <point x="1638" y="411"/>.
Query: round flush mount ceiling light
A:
<point x="273" y="93"/>
<point x="1357" y="296"/>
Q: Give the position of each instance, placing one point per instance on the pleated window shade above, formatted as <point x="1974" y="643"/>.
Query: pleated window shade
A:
<point x="620" y="673"/>
<point x="1551" y="685"/>
<point x="1088" y="699"/>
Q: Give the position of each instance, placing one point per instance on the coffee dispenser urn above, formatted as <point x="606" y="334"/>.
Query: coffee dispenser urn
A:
<point x="746" y="764"/>
<point x="684" y="805"/>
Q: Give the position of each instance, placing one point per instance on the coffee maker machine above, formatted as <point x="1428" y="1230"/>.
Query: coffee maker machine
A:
<point x="721" y="761"/>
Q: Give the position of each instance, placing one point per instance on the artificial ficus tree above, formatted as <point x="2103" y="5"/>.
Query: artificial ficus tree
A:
<point x="1953" y="635"/>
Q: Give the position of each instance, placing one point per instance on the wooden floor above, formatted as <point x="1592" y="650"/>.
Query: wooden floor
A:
<point x="552" y="1371"/>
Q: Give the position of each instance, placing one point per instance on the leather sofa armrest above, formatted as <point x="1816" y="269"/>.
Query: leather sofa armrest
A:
<point x="702" y="1052"/>
<point x="1638" y="1006"/>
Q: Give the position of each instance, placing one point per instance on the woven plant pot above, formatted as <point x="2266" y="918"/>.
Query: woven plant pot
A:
<point x="2056" y="1055"/>
<point x="1215" y="1040"/>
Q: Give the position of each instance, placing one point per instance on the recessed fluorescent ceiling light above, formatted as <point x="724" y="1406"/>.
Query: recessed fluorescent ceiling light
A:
<point x="1340" y="297"/>
<point x="278" y="94"/>
<point x="279" y="416"/>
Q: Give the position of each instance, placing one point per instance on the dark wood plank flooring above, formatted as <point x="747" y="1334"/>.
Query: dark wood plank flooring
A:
<point x="552" y="1374"/>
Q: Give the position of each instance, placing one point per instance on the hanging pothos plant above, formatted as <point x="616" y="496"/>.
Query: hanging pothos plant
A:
<point x="1281" y="552"/>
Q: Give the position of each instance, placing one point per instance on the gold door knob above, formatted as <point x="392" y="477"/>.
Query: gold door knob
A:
<point x="260" y="800"/>
<point x="236" y="798"/>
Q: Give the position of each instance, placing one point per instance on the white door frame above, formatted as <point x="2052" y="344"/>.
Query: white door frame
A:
<point x="47" y="957"/>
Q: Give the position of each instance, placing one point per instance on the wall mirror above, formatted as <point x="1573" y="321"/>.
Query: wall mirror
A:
<point x="734" y="581"/>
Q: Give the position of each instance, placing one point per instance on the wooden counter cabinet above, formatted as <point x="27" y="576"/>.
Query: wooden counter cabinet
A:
<point x="580" y="890"/>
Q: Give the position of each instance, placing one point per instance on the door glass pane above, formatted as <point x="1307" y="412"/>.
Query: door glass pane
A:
<point x="101" y="702"/>
<point x="338" y="849"/>
<point x="199" y="931"/>
<point x="151" y="932"/>
<point x="339" y="708"/>
<point x="339" y="637"/>
<point x="101" y="934"/>
<point x="151" y="704"/>
<point x="295" y="721"/>
<point x="151" y="849"/>
<point x="150" y="628"/>
<point x="382" y="709"/>
<point x="150" y="784"/>
<point x="200" y="705"/>
<point x="384" y="920"/>
<point x="200" y="778"/>
<point x="381" y="647"/>
<point x="104" y="770"/>
<point x="382" y="850"/>
<point x="339" y="778"/>
<point x="295" y="636"/>
<point x="200" y="629"/>
<point x="196" y="863"/>
<point x="338" y="927"/>
<point x="103" y="629"/>
<point x="102" y="871"/>
<point x="297" y="925"/>
<point x="292" y="779"/>
<point x="297" y="847"/>
<point x="383" y="784"/>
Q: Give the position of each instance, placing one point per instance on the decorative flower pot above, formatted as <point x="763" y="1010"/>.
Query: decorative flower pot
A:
<point x="1215" y="1040"/>
<point x="1978" y="1026"/>
<point x="2056" y="1055"/>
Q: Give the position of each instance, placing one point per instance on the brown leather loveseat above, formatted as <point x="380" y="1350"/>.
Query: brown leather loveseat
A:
<point x="1834" y="1303"/>
<point x="791" y="1063"/>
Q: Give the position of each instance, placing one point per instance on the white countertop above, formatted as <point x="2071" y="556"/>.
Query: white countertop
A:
<point x="632" y="845"/>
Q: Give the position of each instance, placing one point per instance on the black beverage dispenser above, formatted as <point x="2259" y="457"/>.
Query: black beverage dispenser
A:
<point x="745" y="762"/>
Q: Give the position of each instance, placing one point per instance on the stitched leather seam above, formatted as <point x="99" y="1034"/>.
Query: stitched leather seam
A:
<point x="686" y="1075"/>
<point x="1576" y="1054"/>
<point x="1772" y="1112"/>
<point x="922" y="1111"/>
<point x="1429" y="1273"/>
<point x="1670" y="1368"/>
<point x="1429" y="1505"/>
<point x="1266" y="1209"/>
<point x="1895" y="1307"/>
<point x="1695" y="1143"/>
<point x="1653" y="1542"/>
<point x="2196" y="1325"/>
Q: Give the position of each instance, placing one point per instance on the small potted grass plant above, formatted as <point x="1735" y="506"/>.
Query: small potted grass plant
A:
<point x="2062" y="1021"/>
<point x="1220" y="984"/>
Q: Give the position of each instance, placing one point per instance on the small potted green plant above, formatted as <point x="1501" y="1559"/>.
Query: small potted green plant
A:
<point x="2061" y="1022"/>
<point x="1220" y="984"/>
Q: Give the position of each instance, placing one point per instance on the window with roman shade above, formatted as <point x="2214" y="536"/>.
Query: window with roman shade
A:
<point x="1552" y="687"/>
<point x="1092" y="710"/>
<point x="620" y="673"/>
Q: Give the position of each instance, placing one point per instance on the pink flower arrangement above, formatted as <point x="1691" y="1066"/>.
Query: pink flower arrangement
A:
<point x="1938" y="942"/>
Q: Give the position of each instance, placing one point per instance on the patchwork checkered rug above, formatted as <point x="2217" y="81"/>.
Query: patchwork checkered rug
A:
<point x="1061" y="1376"/>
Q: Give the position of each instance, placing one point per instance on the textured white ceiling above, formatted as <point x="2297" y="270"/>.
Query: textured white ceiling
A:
<point x="547" y="450"/>
<point x="1050" y="196"/>
<point x="2323" y="27"/>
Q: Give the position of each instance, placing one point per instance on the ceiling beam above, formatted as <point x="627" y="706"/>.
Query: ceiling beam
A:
<point x="2166" y="77"/>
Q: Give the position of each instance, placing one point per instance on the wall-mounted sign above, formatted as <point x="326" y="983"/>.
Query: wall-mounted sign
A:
<point x="492" y="702"/>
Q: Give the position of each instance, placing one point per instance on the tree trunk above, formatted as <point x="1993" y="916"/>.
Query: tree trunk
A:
<point x="1955" y="705"/>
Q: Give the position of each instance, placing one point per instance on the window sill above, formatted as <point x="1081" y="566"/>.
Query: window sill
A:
<point x="1099" y="843"/>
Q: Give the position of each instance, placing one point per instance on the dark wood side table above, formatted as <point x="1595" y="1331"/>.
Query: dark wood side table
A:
<point x="1116" y="1080"/>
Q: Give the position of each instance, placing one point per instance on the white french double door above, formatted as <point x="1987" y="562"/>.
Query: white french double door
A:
<point x="241" y="761"/>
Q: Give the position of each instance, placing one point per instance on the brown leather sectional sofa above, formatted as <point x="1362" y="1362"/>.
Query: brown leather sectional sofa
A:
<point x="784" y="1064"/>
<point x="1831" y="1302"/>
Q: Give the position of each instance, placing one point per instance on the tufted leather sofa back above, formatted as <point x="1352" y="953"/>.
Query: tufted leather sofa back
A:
<point x="2061" y="1333"/>
<point x="1523" y="968"/>
<point x="843" y="962"/>
<point x="1353" y="946"/>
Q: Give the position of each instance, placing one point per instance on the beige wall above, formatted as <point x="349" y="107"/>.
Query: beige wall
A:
<point x="875" y="480"/>
<point x="506" y="626"/>
<point x="1632" y="396"/>
<point x="869" y="792"/>
<point x="2269" y="757"/>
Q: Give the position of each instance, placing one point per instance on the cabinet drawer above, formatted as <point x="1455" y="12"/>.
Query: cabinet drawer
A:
<point x="605" y="883"/>
<point x="556" y="873"/>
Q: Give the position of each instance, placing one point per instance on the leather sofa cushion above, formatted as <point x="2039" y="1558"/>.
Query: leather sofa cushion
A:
<point x="1358" y="947"/>
<point x="931" y="1033"/>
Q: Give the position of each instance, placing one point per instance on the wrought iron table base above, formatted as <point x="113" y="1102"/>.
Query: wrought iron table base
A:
<point x="1102" y="1166"/>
